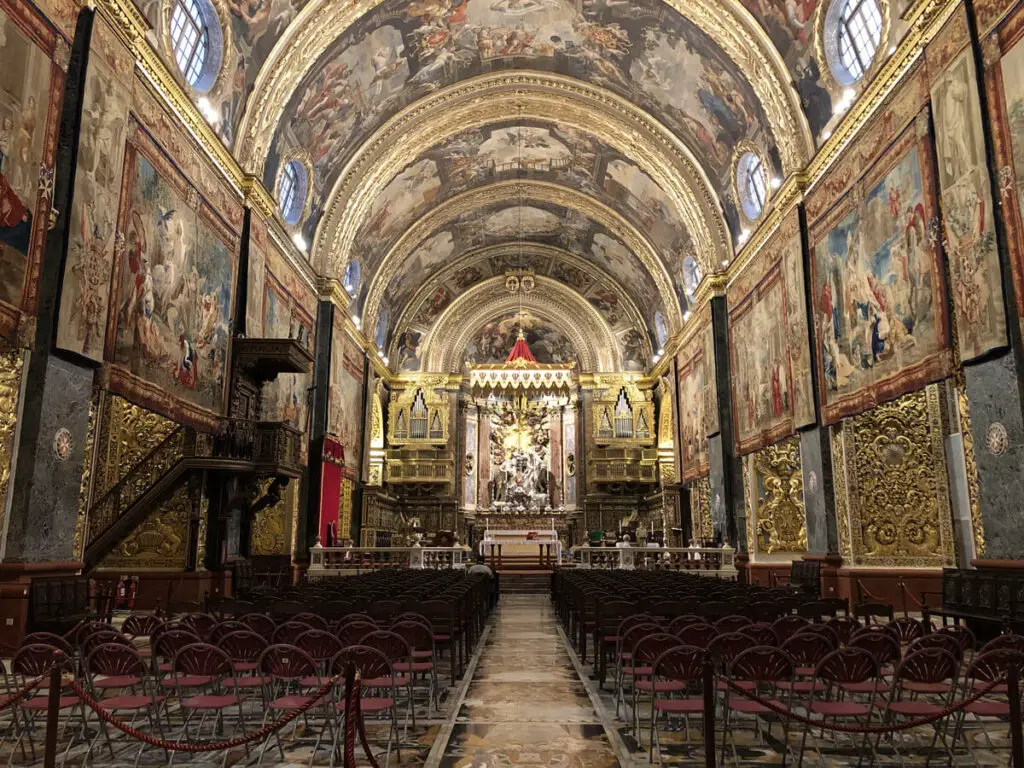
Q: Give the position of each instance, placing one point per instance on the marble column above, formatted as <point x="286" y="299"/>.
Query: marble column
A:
<point x="308" y="520"/>
<point x="819" y="494"/>
<point x="571" y="449"/>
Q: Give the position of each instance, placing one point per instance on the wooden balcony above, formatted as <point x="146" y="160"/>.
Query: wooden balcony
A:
<point x="264" y="359"/>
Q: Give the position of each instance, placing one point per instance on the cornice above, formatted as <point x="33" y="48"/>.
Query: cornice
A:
<point x="321" y="22"/>
<point x="525" y="191"/>
<point x="492" y="98"/>
<point x="788" y="197"/>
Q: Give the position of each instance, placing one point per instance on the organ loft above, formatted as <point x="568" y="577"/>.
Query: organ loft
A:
<point x="520" y="351"/>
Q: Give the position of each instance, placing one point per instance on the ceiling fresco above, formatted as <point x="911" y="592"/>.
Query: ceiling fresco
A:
<point x="493" y="341"/>
<point x="640" y="50"/>
<point x="564" y="156"/>
<point x="541" y="223"/>
<point x="596" y="287"/>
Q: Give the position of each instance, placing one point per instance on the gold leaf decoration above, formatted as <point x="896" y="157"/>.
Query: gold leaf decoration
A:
<point x="781" y="521"/>
<point x="10" y="388"/>
<point x="160" y="541"/>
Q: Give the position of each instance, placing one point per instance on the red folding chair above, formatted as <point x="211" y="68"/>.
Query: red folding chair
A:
<point x="261" y="624"/>
<point x="202" y="661"/>
<point x="288" y="633"/>
<point x="788" y="626"/>
<point x="399" y="656"/>
<point x="675" y="674"/>
<point x="760" y="669"/>
<point x="312" y="620"/>
<point x="31" y="662"/>
<point x="699" y="635"/>
<point x="988" y="672"/>
<point x="200" y="623"/>
<point x="378" y="692"/>
<point x="421" y="640"/>
<point x="116" y="666"/>
<point x="244" y="648"/>
<point x="732" y="623"/>
<point x="284" y="668"/>
<point x="836" y="673"/>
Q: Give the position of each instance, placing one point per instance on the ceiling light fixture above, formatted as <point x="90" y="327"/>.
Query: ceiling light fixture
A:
<point x="385" y="359"/>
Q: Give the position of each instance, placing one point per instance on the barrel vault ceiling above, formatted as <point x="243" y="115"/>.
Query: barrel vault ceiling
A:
<point x="447" y="142"/>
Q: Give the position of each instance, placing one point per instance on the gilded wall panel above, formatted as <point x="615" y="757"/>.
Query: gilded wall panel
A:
<point x="160" y="542"/>
<point x="700" y="509"/>
<point x="271" y="531"/>
<point x="778" y="522"/>
<point x="127" y="434"/>
<point x="896" y="488"/>
<point x="10" y="389"/>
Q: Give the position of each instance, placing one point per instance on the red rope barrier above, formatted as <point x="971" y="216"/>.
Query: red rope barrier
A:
<point x="904" y="726"/>
<point x="25" y="691"/>
<point x="361" y="724"/>
<point x="175" y="746"/>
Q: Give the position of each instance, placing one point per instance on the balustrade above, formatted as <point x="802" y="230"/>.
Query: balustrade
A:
<point x="714" y="562"/>
<point x="341" y="561"/>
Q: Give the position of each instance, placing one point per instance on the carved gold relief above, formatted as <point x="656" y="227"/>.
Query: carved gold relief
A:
<point x="700" y="509"/>
<point x="345" y="509"/>
<point x="87" y="472"/>
<point x="128" y="433"/>
<point x="271" y="526"/>
<point x="839" y="486"/>
<point x="160" y="541"/>
<point x="780" y="519"/>
<point x="973" y="481"/>
<point x="897" y="492"/>
<point x="10" y="387"/>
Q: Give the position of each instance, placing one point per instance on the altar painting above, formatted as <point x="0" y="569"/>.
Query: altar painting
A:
<point x="493" y="342"/>
<point x="521" y="477"/>
<point x="85" y="293"/>
<point x="174" y="286"/>
<point x="878" y="291"/>
<point x="345" y="404"/>
<point x="31" y="88"/>
<point x="964" y="184"/>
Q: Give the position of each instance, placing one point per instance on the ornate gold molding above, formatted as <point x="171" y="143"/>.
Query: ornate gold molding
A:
<point x="728" y="24"/>
<point x="485" y="253"/>
<point x="527" y="191"/>
<point x="780" y="520"/>
<point x="11" y="362"/>
<point x="576" y="317"/>
<point x="494" y="98"/>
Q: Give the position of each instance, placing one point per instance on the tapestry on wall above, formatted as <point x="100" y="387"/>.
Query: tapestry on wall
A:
<point x="965" y="194"/>
<point x="1004" y="81"/>
<point x="81" y="322"/>
<point x="693" y="392"/>
<point x="174" y="291"/>
<point x="254" y="325"/>
<point x="31" y="88"/>
<point x="768" y="343"/>
<point x="345" y="406"/>
<point x="878" y="291"/>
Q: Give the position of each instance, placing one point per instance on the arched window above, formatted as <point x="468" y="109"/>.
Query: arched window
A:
<point x="660" y="330"/>
<point x="291" y="191"/>
<point x="352" y="277"/>
<point x="382" y="330"/>
<point x="752" y="183"/>
<point x="859" y="35"/>
<point x="190" y="39"/>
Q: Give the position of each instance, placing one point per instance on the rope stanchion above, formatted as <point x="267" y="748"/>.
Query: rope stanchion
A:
<point x="216" y="746"/>
<point x="873" y="729"/>
<point x="52" y="714"/>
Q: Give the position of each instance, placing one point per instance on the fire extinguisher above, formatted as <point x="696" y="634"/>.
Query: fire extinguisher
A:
<point x="133" y="589"/>
<point x="122" y="592"/>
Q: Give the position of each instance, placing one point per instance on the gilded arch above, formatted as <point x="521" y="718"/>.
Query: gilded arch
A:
<point x="593" y="341"/>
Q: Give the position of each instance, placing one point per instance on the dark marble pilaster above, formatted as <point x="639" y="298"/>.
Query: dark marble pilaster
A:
<point x="309" y="511"/>
<point x="728" y="510"/>
<point x="819" y="494"/>
<point x="994" y="400"/>
<point x="56" y="392"/>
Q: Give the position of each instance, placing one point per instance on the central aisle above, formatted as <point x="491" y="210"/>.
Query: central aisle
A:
<point x="525" y="704"/>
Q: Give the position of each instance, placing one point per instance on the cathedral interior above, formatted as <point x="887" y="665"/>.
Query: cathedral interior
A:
<point x="534" y="306"/>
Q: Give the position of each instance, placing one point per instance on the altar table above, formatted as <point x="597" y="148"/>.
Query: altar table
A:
<point x="504" y="543"/>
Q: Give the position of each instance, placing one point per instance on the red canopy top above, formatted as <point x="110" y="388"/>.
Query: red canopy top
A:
<point x="520" y="351"/>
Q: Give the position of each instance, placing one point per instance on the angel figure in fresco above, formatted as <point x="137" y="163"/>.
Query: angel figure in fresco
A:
<point x="15" y="217"/>
<point x="956" y="131"/>
<point x="140" y="304"/>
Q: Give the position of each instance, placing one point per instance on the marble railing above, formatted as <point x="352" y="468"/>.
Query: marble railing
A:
<point x="713" y="562"/>
<point x="336" y="561"/>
